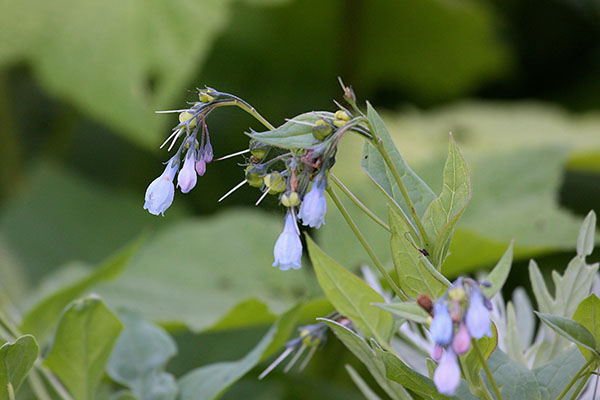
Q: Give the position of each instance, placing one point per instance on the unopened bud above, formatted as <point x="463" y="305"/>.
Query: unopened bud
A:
<point x="321" y="130"/>
<point x="457" y="294"/>
<point x="290" y="199"/>
<point x="205" y="97"/>
<point x="186" y="116"/>
<point x="275" y="183"/>
<point x="456" y="312"/>
<point x="343" y="115"/>
<point x="253" y="178"/>
<point x="425" y="302"/>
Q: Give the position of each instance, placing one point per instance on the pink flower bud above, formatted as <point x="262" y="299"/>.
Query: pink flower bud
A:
<point x="462" y="340"/>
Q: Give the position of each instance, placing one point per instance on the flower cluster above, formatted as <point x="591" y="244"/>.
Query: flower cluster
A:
<point x="297" y="175"/>
<point x="462" y="313"/>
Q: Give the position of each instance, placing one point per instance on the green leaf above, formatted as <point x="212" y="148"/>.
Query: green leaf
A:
<point x="361" y="384"/>
<point x="84" y="338"/>
<point x="112" y="71"/>
<point x="498" y="275"/>
<point x="16" y="360"/>
<point x="443" y="213"/>
<point x="416" y="275"/>
<point x="350" y="295"/>
<point x="374" y="166"/>
<point x="472" y="362"/>
<point x="42" y="317"/>
<point x="399" y="372"/>
<point x="553" y="377"/>
<point x="139" y="358"/>
<point x="359" y="347"/>
<point x="585" y="241"/>
<point x="294" y="134"/>
<point x="199" y="282"/>
<point x="571" y="330"/>
<point x="588" y="315"/>
<point x="407" y="310"/>
<point x="540" y="290"/>
<point x="514" y="348"/>
<point x="514" y="380"/>
<point x="209" y="381"/>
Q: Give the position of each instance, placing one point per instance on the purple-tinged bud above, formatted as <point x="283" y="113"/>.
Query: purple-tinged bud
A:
<point x="437" y="352"/>
<point x="288" y="248"/>
<point x="441" y="328"/>
<point x="462" y="340"/>
<point x="478" y="316"/>
<point x="447" y="374"/>
<point x="456" y="311"/>
<point x="186" y="180"/>
<point x="161" y="191"/>
<point x="314" y="206"/>
<point x="200" y="166"/>
<point x="208" y="151"/>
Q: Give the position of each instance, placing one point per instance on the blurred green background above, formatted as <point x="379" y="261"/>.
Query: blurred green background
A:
<point x="518" y="82"/>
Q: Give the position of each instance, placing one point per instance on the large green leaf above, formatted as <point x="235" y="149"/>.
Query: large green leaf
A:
<point x="443" y="213"/>
<point x="514" y="380"/>
<point x="350" y="295"/>
<point x="210" y="381"/>
<point x="415" y="273"/>
<point x="197" y="272"/>
<point x="139" y="357"/>
<point x="16" y="360"/>
<point x="84" y="338"/>
<point x="553" y="377"/>
<point x="588" y="315"/>
<point x="472" y="363"/>
<point x="407" y="310"/>
<point x="42" y="317"/>
<point x="499" y="273"/>
<point x="361" y="349"/>
<point x="117" y="61"/>
<point x="374" y="166"/>
<point x="569" y="329"/>
<point x="516" y="155"/>
<point x="294" y="134"/>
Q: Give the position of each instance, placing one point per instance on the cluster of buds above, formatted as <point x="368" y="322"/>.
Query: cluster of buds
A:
<point x="195" y="151"/>
<point x="462" y="313"/>
<point x="311" y="338"/>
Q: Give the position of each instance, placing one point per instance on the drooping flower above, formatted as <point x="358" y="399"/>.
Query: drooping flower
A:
<point x="447" y="374"/>
<point x="462" y="339"/>
<point x="441" y="328"/>
<point x="288" y="248"/>
<point x="477" y="318"/>
<point x="314" y="206"/>
<point x="186" y="180"/>
<point x="161" y="191"/>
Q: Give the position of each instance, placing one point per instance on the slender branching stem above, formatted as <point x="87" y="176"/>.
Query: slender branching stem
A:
<point x="248" y="108"/>
<point x="575" y="378"/>
<point x="38" y="386"/>
<point x="486" y="368"/>
<point x="367" y="247"/>
<point x="356" y="201"/>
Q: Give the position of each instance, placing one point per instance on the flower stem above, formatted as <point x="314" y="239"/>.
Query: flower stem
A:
<point x="575" y="378"/>
<point x="378" y="143"/>
<point x="475" y="345"/>
<point x="356" y="201"/>
<point x="364" y="243"/>
<point x="248" y="108"/>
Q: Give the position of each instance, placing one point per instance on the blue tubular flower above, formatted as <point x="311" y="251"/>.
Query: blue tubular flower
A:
<point x="478" y="316"/>
<point x="186" y="180"/>
<point x="441" y="328"/>
<point x="447" y="374"/>
<point x="288" y="248"/>
<point x="161" y="191"/>
<point x="314" y="206"/>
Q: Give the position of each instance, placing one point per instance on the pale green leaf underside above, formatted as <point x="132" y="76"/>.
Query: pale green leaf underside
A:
<point x="294" y="134"/>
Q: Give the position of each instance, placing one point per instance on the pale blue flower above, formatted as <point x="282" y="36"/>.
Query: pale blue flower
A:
<point x="314" y="206"/>
<point x="447" y="374"/>
<point x="187" y="178"/>
<point x="441" y="328"/>
<point x="478" y="316"/>
<point x="161" y="191"/>
<point x="288" y="248"/>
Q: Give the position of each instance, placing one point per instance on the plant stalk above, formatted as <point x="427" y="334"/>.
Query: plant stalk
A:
<point x="575" y="378"/>
<point x="486" y="368"/>
<point x="366" y="246"/>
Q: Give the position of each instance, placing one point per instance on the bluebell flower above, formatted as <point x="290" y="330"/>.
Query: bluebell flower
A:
<point x="288" y="248"/>
<point x="161" y="191"/>
<point x="447" y="374"/>
<point x="441" y="328"/>
<point x="314" y="206"/>
<point x="478" y="316"/>
<point x="186" y="180"/>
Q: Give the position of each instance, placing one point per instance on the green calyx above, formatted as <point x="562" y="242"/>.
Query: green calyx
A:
<point x="253" y="178"/>
<point x="321" y="130"/>
<point x="275" y="182"/>
<point x="185" y="116"/>
<point x="290" y="199"/>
